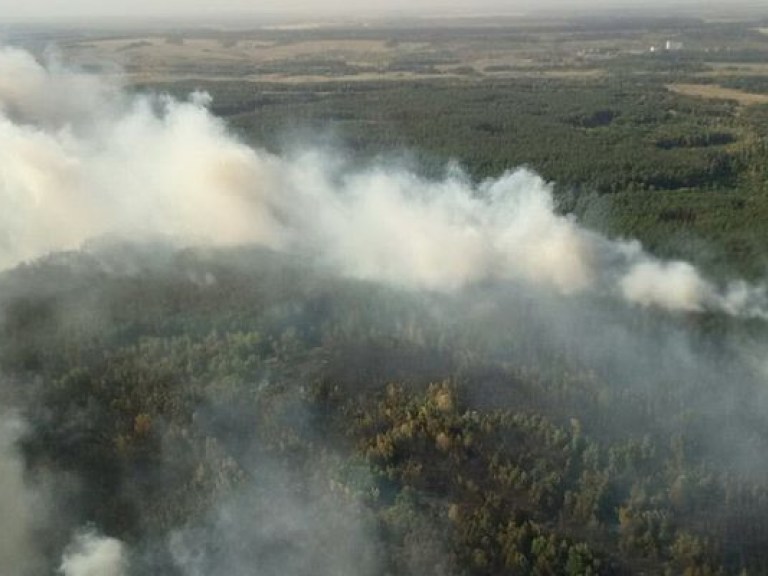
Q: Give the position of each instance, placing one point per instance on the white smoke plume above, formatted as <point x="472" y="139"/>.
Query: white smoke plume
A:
<point x="671" y="285"/>
<point x="90" y="554"/>
<point x="17" y="510"/>
<point x="23" y="511"/>
<point x="52" y="97"/>
<point x="98" y="162"/>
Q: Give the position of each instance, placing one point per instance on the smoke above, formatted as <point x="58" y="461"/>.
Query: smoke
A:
<point x="26" y="91"/>
<point x="92" y="555"/>
<point x="17" y="516"/>
<point x="671" y="285"/>
<point x="93" y="162"/>
<point x="24" y="511"/>
<point x="279" y="526"/>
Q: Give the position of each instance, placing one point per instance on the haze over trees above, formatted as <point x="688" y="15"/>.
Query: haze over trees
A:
<point x="392" y="359"/>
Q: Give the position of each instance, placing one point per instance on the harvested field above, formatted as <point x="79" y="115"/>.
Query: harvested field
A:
<point x="716" y="92"/>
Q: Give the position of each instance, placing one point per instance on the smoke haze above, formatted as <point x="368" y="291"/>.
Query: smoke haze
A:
<point x="101" y="163"/>
<point x="97" y="162"/>
<point x="92" y="555"/>
<point x="314" y="8"/>
<point x="17" y="518"/>
<point x="280" y="526"/>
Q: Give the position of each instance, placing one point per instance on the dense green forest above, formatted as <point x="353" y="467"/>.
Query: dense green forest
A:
<point x="687" y="176"/>
<point x="460" y="434"/>
<point x="606" y="136"/>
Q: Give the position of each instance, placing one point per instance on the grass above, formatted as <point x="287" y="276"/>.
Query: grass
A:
<point x="717" y="92"/>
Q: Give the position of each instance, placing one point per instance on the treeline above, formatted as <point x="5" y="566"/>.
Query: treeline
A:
<point x="626" y="155"/>
<point x="604" y="136"/>
<point x="470" y="443"/>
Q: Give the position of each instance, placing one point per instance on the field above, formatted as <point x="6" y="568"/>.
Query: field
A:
<point x="501" y="48"/>
<point x="716" y="92"/>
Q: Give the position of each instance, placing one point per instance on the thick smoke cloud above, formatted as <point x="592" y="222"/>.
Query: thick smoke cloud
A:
<point x="101" y="163"/>
<point x="95" y="162"/>
<point x="92" y="555"/>
<point x="17" y="510"/>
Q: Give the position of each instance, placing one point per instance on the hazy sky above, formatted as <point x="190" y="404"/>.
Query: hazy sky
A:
<point x="14" y="9"/>
<point x="48" y="8"/>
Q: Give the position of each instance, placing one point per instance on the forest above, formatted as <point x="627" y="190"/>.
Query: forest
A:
<point x="455" y="442"/>
<point x="239" y="407"/>
<point x="627" y="156"/>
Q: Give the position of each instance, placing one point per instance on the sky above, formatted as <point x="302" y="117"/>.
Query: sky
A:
<point x="50" y="8"/>
<point x="73" y="9"/>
